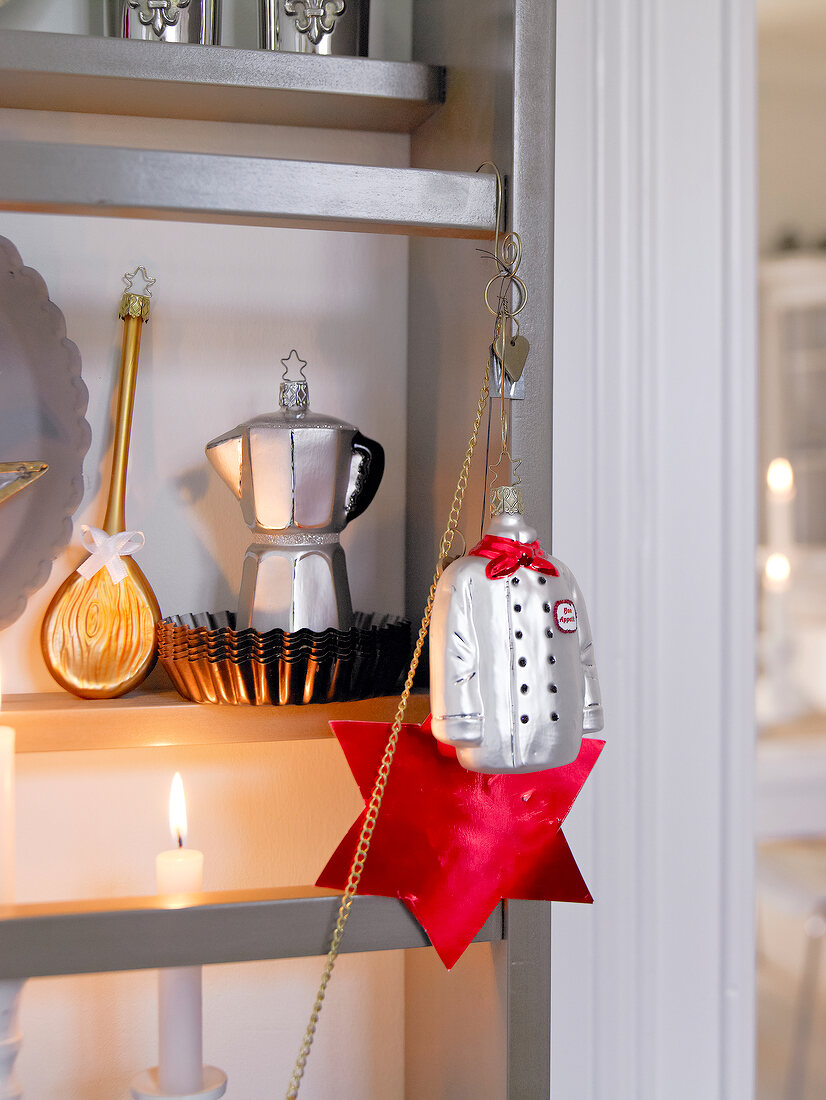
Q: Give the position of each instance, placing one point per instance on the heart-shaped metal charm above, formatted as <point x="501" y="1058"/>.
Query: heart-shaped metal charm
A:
<point x="512" y="354"/>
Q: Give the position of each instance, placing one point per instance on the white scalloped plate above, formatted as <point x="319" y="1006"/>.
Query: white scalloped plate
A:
<point x="42" y="404"/>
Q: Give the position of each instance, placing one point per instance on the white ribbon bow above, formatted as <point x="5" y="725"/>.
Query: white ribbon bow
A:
<point x="107" y="550"/>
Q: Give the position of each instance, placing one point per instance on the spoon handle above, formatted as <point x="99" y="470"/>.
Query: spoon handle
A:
<point x="134" y="312"/>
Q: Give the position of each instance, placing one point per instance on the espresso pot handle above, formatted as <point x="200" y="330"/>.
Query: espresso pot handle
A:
<point x="366" y="472"/>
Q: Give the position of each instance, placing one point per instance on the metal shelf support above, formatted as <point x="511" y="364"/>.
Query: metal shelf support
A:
<point x="59" y="72"/>
<point x="89" y="937"/>
<point x="207" y="187"/>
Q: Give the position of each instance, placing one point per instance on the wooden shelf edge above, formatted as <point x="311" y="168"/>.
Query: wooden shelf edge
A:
<point x="87" y="937"/>
<point x="58" y="722"/>
<point x="59" y="72"/>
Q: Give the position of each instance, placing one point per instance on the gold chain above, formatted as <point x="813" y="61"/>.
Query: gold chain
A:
<point x="363" y="846"/>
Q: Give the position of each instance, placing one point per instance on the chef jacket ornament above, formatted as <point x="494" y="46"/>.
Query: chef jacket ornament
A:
<point x="513" y="684"/>
<point x="513" y="687"/>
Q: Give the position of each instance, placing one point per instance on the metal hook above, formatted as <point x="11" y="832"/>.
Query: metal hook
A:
<point x="148" y="280"/>
<point x="508" y="260"/>
<point x="287" y="362"/>
<point x="508" y="257"/>
<point x="507" y="253"/>
<point x="499" y="194"/>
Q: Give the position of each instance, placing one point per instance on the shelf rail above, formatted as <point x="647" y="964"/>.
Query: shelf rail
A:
<point x="52" y="177"/>
<point x="43" y="71"/>
<point x="89" y="937"/>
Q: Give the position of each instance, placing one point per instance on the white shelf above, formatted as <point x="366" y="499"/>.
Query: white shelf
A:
<point x="60" y="72"/>
<point x="59" y="722"/>
<point x="146" y="183"/>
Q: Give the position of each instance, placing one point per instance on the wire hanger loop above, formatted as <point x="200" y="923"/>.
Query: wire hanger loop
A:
<point x="507" y="252"/>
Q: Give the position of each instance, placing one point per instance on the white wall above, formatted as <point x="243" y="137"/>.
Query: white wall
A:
<point x="229" y="302"/>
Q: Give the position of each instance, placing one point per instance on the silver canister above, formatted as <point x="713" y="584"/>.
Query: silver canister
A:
<point x="197" y="21"/>
<point x="337" y="27"/>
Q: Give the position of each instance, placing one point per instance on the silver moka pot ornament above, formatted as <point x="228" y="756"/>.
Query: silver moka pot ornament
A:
<point x="301" y="477"/>
<point x="513" y="684"/>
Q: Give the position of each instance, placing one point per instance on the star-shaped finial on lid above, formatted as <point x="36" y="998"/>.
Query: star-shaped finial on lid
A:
<point x="296" y="359"/>
<point x="294" y="393"/>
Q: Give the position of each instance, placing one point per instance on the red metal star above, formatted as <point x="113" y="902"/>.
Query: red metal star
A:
<point x="450" y="843"/>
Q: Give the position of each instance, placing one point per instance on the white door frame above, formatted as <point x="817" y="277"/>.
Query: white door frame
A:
<point x="654" y="444"/>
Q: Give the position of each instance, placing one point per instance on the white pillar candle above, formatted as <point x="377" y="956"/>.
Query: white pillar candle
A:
<point x="6" y="814"/>
<point x="180" y="1031"/>
<point x="180" y="871"/>
<point x="780" y="698"/>
<point x="780" y="505"/>
<point x="776" y="581"/>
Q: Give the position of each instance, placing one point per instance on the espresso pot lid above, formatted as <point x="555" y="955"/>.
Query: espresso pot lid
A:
<point x="293" y="410"/>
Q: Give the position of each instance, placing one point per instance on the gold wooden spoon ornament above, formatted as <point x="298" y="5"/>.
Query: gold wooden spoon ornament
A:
<point x="98" y="634"/>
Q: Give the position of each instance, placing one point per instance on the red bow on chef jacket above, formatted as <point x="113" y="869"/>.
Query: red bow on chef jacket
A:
<point x="507" y="556"/>
<point x="451" y="843"/>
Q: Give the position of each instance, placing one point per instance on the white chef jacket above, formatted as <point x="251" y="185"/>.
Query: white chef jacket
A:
<point x="513" y="684"/>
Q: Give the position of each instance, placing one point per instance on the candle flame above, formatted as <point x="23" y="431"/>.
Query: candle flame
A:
<point x="177" y="811"/>
<point x="780" y="477"/>
<point x="778" y="568"/>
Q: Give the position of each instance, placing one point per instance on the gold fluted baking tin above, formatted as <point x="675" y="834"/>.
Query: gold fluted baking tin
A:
<point x="280" y="668"/>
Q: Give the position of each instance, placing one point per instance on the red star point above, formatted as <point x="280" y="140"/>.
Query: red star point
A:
<point x="451" y="843"/>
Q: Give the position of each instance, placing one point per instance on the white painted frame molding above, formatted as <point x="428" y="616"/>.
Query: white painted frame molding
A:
<point x="654" y="459"/>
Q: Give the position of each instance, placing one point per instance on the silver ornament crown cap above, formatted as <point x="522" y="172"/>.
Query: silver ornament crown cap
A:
<point x="506" y="499"/>
<point x="293" y="393"/>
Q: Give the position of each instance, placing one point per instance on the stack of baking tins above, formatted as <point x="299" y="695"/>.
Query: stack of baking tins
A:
<point x="209" y="661"/>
